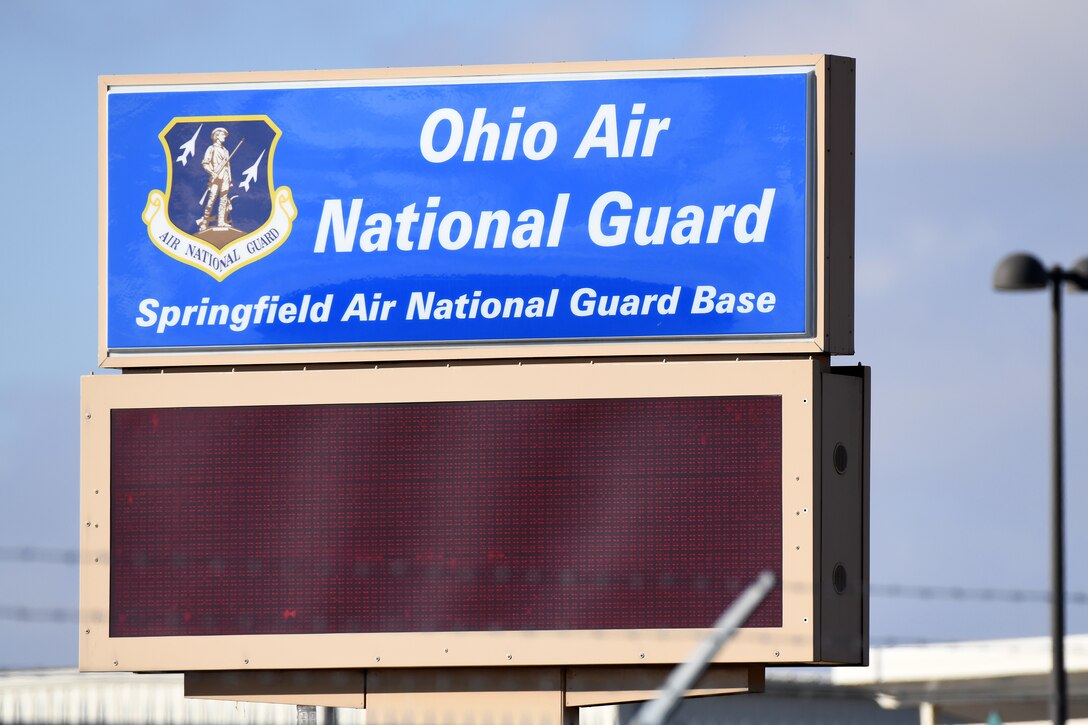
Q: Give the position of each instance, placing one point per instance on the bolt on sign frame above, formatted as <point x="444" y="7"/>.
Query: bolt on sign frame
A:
<point x="372" y="215"/>
<point x="539" y="515"/>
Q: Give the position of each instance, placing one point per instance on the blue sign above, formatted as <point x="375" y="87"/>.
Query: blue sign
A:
<point x="669" y="205"/>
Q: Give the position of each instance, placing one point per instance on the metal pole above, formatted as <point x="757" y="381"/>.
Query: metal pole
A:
<point x="684" y="676"/>
<point x="1057" y="516"/>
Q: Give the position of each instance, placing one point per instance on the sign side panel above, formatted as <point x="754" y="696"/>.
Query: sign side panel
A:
<point x="844" y="577"/>
<point x="457" y="71"/>
<point x="94" y="522"/>
<point x="103" y="223"/>
<point x="839" y="183"/>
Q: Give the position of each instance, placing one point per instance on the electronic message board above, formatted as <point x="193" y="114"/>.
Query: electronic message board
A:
<point x="443" y="516"/>
<point x="576" y="209"/>
<point x="550" y="514"/>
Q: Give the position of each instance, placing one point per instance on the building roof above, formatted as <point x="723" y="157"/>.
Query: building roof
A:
<point x="959" y="681"/>
<point x="971" y="680"/>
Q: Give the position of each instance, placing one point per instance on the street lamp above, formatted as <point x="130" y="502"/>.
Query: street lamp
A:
<point x="1025" y="272"/>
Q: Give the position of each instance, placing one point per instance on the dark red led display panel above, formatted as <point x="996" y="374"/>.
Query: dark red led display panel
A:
<point x="430" y="517"/>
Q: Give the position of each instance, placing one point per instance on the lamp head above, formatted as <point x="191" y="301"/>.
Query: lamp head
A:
<point x="1078" y="276"/>
<point x="1021" y="272"/>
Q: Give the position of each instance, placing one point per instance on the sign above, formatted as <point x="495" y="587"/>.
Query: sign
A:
<point x="472" y="516"/>
<point x="404" y="214"/>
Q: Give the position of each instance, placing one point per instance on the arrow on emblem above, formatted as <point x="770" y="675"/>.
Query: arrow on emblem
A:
<point x="250" y="174"/>
<point x="189" y="147"/>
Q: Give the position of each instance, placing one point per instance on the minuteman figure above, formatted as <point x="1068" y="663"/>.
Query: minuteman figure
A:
<point x="217" y="163"/>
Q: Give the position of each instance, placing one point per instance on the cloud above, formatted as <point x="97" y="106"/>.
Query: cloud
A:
<point x="938" y="78"/>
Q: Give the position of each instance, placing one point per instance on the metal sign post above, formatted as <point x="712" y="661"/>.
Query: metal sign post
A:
<point x="683" y="678"/>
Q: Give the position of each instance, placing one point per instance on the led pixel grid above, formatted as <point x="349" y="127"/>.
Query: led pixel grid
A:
<point x="454" y="516"/>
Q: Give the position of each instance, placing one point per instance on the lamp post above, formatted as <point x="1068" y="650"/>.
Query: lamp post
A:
<point x="1025" y="272"/>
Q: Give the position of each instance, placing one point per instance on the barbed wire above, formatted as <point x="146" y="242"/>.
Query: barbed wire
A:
<point x="1006" y="645"/>
<point x="38" y="614"/>
<point x="975" y="594"/>
<point x="36" y="555"/>
<point x="923" y="592"/>
<point x="55" y="615"/>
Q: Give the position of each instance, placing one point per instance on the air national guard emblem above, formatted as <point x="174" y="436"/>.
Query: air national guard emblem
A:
<point x="220" y="211"/>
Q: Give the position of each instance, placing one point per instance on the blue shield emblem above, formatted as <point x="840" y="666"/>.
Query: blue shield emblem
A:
<point x="220" y="210"/>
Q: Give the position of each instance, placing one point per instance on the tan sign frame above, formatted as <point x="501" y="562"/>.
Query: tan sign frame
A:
<point x="833" y="242"/>
<point x="817" y="626"/>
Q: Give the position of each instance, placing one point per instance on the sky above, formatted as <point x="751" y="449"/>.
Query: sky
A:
<point x="970" y="145"/>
